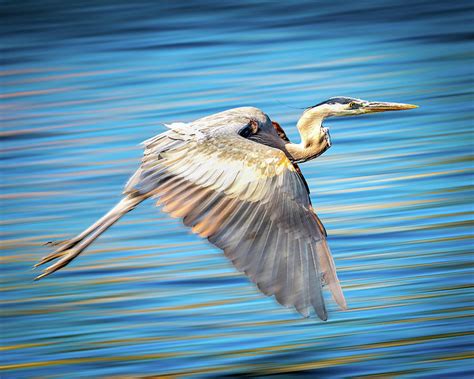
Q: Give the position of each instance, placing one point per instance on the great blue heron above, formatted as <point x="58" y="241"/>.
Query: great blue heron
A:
<point x="233" y="177"/>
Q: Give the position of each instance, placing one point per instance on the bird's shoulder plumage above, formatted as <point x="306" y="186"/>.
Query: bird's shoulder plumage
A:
<point x="228" y="178"/>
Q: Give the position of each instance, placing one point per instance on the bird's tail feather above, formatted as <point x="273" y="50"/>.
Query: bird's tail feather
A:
<point x="70" y="249"/>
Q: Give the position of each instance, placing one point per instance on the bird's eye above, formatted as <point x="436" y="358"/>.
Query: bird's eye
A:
<point x="353" y="105"/>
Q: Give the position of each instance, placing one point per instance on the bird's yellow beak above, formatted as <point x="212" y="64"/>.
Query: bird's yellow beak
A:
<point x="376" y="106"/>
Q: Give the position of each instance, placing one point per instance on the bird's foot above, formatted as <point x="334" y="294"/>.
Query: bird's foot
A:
<point x="62" y="249"/>
<point x="55" y="243"/>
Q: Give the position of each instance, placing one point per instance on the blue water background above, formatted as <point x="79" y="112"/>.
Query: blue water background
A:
<point x="83" y="83"/>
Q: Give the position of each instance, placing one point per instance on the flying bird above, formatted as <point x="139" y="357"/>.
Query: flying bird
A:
<point x="233" y="177"/>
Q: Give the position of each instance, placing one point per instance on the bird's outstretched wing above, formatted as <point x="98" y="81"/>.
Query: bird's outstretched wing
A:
<point x="247" y="199"/>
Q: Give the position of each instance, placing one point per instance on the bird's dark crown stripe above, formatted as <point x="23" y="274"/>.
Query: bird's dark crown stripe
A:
<point x="334" y="100"/>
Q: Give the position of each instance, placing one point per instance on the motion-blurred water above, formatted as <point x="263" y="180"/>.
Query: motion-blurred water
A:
<point x="84" y="83"/>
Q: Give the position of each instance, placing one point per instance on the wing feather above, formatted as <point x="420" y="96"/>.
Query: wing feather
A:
<point x="249" y="200"/>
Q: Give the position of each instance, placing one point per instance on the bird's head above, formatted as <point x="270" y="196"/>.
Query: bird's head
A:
<point x="348" y="106"/>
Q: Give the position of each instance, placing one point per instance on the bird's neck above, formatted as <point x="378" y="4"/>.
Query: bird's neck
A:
<point x="313" y="142"/>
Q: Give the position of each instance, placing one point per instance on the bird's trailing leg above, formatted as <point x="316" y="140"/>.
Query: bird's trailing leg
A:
<point x="68" y="244"/>
<point x="70" y="249"/>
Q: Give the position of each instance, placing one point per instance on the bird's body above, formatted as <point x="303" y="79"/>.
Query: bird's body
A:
<point x="233" y="178"/>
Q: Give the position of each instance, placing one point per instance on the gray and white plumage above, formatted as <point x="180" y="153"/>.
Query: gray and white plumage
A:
<point x="247" y="199"/>
<point x="232" y="177"/>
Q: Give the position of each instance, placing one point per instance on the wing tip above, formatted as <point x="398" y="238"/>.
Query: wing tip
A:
<point x="323" y="318"/>
<point x="343" y="306"/>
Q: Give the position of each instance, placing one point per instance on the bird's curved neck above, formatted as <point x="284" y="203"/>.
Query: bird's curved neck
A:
<point x="313" y="141"/>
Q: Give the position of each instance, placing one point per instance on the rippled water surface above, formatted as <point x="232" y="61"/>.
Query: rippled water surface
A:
<point x="83" y="84"/>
